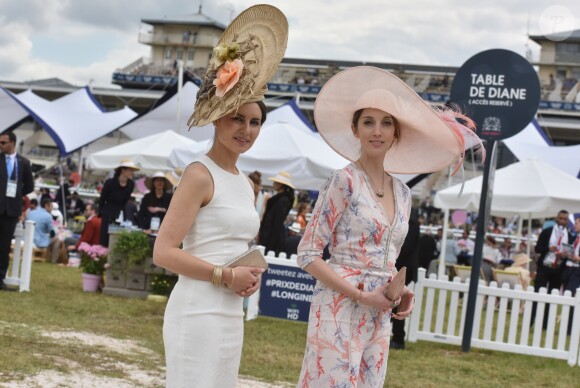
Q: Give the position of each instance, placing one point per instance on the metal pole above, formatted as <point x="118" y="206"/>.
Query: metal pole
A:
<point x="484" y="205"/>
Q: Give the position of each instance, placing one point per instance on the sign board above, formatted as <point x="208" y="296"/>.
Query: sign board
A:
<point x="286" y="292"/>
<point x="499" y="90"/>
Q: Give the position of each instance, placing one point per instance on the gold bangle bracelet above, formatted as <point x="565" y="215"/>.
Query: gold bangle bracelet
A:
<point x="216" y="278"/>
<point x="233" y="278"/>
<point x="354" y="299"/>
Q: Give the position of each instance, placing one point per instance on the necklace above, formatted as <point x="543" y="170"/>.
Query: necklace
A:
<point x="380" y="193"/>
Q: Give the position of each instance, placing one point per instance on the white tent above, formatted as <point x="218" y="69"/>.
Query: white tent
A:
<point x="532" y="188"/>
<point x="151" y="152"/>
<point x="74" y="120"/>
<point x="165" y="116"/>
<point x="291" y="114"/>
<point x="565" y="158"/>
<point x="11" y="113"/>
<point x="280" y="147"/>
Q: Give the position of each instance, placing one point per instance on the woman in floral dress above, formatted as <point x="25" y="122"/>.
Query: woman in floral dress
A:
<point x="373" y="119"/>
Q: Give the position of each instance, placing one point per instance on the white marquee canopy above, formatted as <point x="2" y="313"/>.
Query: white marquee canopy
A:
<point x="150" y="153"/>
<point x="280" y="147"/>
<point x="530" y="187"/>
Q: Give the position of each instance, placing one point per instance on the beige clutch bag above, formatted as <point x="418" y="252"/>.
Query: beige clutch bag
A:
<point x="395" y="289"/>
<point x="250" y="258"/>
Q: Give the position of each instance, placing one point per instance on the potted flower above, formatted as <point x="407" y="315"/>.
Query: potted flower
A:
<point x="93" y="265"/>
<point x="135" y="245"/>
<point x="160" y="288"/>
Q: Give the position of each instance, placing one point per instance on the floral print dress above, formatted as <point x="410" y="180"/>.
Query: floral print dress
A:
<point x="348" y="343"/>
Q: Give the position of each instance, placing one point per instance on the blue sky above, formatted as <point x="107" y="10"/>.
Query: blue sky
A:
<point x="80" y="41"/>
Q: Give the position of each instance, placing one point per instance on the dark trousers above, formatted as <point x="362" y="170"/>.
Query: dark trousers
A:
<point x="7" y="226"/>
<point x="464" y="259"/>
<point x="550" y="278"/>
<point x="398" y="327"/>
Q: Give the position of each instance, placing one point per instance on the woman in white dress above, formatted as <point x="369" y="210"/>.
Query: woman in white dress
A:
<point x="212" y="211"/>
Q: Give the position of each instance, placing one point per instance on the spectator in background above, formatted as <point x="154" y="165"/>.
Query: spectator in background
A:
<point x="408" y="257"/>
<point x="272" y="232"/>
<point x="490" y="257"/>
<point x="75" y="206"/>
<point x="426" y="249"/>
<point x="91" y="230"/>
<point x="506" y="251"/>
<point x="260" y="198"/>
<point x="301" y="211"/>
<point x="155" y="203"/>
<point x="62" y="197"/>
<point x="464" y="249"/>
<point x="131" y="211"/>
<point x="44" y="233"/>
<point x="294" y="236"/>
<point x="520" y="262"/>
<point x="114" y="196"/>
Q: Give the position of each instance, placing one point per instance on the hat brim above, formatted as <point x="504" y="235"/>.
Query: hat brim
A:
<point x="268" y="28"/>
<point x="134" y="168"/>
<point x="167" y="185"/>
<point x="425" y="144"/>
<point x="287" y="183"/>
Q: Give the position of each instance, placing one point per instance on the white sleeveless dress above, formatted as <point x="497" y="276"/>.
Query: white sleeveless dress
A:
<point x="203" y="326"/>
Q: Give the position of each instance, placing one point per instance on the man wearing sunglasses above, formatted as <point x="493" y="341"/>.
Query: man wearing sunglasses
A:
<point x="15" y="181"/>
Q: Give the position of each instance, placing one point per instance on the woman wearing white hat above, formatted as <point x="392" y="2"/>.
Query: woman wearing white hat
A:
<point x="375" y="120"/>
<point x="115" y="194"/>
<point x="272" y="233"/>
<point x="155" y="203"/>
<point x="212" y="213"/>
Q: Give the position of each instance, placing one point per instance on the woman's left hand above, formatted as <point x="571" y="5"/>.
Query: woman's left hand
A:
<point x="249" y="291"/>
<point x="406" y="306"/>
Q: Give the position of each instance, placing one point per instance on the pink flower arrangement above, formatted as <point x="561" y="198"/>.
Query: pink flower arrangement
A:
<point x="227" y="76"/>
<point x="93" y="258"/>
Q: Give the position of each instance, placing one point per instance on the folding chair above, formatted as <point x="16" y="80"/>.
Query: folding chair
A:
<point x="512" y="278"/>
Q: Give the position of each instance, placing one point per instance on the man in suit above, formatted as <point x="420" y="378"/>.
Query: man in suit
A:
<point x="551" y="259"/>
<point x="15" y="181"/>
<point x="408" y="257"/>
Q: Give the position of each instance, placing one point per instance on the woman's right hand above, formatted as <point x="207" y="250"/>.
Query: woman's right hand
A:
<point x="244" y="278"/>
<point x="377" y="299"/>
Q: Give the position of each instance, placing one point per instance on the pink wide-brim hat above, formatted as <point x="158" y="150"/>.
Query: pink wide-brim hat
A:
<point x="425" y="144"/>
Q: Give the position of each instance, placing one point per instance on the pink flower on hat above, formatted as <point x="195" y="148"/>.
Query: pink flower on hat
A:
<point x="227" y="76"/>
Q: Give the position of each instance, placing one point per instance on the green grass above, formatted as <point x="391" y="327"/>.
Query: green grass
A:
<point x="273" y="348"/>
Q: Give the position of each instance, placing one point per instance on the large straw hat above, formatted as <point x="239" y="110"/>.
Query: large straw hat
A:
<point x="127" y="164"/>
<point x="174" y="176"/>
<point x="521" y="259"/>
<point x="247" y="55"/>
<point x="428" y="141"/>
<point x="284" y="178"/>
<point x="158" y="174"/>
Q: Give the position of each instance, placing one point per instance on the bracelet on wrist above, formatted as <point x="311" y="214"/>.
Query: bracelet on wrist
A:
<point x="216" y="278"/>
<point x="356" y="297"/>
<point x="233" y="278"/>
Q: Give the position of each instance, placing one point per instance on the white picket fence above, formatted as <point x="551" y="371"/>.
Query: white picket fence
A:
<point x="22" y="259"/>
<point x="501" y="321"/>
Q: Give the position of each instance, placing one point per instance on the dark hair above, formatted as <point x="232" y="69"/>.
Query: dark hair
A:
<point x="34" y="202"/>
<point x="45" y="201"/>
<point x="256" y="177"/>
<point x="11" y="136"/>
<point x="563" y="211"/>
<point x="263" y="109"/>
<point x="301" y="207"/>
<point x="356" y="117"/>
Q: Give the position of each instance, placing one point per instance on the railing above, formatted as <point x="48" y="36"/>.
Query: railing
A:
<point x="177" y="40"/>
<point x="502" y="318"/>
<point x="22" y="257"/>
